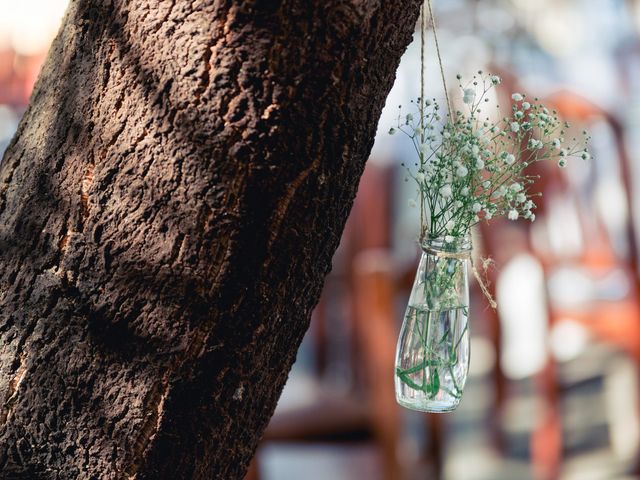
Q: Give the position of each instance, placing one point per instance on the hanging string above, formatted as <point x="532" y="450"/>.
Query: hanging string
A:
<point x="435" y="38"/>
<point x="423" y="28"/>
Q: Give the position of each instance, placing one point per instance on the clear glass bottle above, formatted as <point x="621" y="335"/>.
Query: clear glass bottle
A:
<point x="432" y="357"/>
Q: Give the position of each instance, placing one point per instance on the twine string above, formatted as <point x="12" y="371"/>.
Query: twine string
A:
<point x="466" y="255"/>
<point x="423" y="28"/>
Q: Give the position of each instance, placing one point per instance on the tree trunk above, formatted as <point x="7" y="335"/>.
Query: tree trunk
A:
<point x="169" y="208"/>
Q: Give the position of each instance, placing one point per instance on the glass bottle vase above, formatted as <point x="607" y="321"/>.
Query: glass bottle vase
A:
<point x="432" y="356"/>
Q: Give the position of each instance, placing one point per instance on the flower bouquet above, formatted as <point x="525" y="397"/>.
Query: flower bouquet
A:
<point x="471" y="167"/>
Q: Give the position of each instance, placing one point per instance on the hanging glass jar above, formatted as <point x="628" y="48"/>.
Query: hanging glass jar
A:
<point x="432" y="357"/>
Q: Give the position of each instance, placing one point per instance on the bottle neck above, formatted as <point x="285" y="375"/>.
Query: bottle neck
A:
<point x="448" y="244"/>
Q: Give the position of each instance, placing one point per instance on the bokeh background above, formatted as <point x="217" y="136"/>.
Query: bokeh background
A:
<point x="553" y="385"/>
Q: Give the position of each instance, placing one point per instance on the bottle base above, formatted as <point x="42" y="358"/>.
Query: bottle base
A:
<point x="428" y="406"/>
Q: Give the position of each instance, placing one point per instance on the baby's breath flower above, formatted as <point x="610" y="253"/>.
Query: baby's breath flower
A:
<point x="495" y="79"/>
<point x="445" y="191"/>
<point x="472" y="168"/>
<point x="469" y="96"/>
<point x="500" y="192"/>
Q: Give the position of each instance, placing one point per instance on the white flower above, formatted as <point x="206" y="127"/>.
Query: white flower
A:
<point x="420" y="177"/>
<point x="526" y="105"/>
<point x="486" y="184"/>
<point x="448" y="238"/>
<point x="446" y="135"/>
<point x="412" y="203"/>
<point x="521" y="198"/>
<point x="465" y="191"/>
<point x="556" y="143"/>
<point x="475" y="150"/>
<point x="469" y="95"/>
<point x="462" y="171"/>
<point x="562" y="163"/>
<point x="457" y="204"/>
<point x="488" y="215"/>
<point x="509" y="158"/>
<point x="585" y="156"/>
<point x="476" y="207"/>
<point x="513" y="214"/>
<point x="516" y="97"/>
<point x="532" y="217"/>
<point x="500" y="192"/>
<point x="495" y="79"/>
<point x="515" y="187"/>
<point x="409" y="118"/>
<point x="518" y="115"/>
<point x="479" y="164"/>
<point x="515" y="127"/>
<point x="445" y="191"/>
<point x="563" y="153"/>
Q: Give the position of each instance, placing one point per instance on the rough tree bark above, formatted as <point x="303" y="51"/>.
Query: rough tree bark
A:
<point x="168" y="211"/>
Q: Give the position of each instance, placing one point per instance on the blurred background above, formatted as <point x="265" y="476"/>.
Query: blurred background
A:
<point x="553" y="384"/>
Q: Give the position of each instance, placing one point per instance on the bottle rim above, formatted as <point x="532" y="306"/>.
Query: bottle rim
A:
<point x="447" y="243"/>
